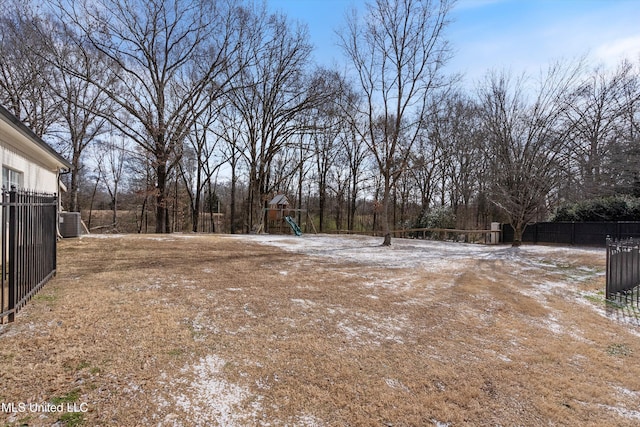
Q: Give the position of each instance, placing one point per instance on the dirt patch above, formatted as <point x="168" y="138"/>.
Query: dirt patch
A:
<point x="186" y="330"/>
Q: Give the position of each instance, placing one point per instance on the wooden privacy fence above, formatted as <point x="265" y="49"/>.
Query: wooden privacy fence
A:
<point x="29" y="224"/>
<point x="623" y="271"/>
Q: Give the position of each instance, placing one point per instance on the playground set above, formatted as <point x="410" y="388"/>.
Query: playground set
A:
<point x="281" y="218"/>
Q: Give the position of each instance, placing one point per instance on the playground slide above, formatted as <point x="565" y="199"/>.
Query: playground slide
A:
<point x="293" y="225"/>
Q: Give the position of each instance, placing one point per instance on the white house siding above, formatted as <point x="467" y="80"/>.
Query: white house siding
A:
<point x="24" y="152"/>
<point x="34" y="176"/>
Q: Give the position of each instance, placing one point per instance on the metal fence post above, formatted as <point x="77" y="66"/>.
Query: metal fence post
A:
<point x="608" y="271"/>
<point x="12" y="243"/>
<point x="5" y="254"/>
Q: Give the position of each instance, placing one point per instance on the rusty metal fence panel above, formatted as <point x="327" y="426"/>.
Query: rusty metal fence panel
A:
<point x="29" y="224"/>
<point x="623" y="271"/>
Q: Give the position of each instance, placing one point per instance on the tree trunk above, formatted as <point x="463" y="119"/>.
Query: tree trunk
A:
<point x="195" y="202"/>
<point x="74" y="188"/>
<point x="211" y="208"/>
<point x="143" y="215"/>
<point x="300" y="182"/>
<point x="256" y="206"/>
<point x="161" y="209"/>
<point x="338" y="212"/>
<point x="252" y="195"/>
<point x="518" y="230"/>
<point x="195" y="213"/>
<point x="386" y="230"/>
<point x="321" y="205"/>
<point x="114" y="205"/>
<point x="354" y="201"/>
<point x="93" y="196"/>
<point x="212" y="223"/>
<point x="232" y="203"/>
<point x="300" y="179"/>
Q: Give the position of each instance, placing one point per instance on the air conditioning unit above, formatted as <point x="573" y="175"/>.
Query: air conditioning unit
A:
<point x="70" y="224"/>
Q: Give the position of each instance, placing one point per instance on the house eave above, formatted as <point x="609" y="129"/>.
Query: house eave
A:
<point x="32" y="142"/>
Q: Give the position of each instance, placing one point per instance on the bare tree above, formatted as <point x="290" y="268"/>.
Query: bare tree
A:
<point x="302" y="149"/>
<point x="356" y="155"/>
<point x="455" y="131"/>
<point x="624" y="162"/>
<point x="40" y="91"/>
<point x="596" y="119"/>
<point x="325" y="154"/>
<point x="525" y="140"/>
<point x="269" y="95"/>
<point x="82" y="105"/>
<point x="229" y="129"/>
<point x="167" y="56"/>
<point x="352" y="152"/>
<point x="196" y="168"/>
<point x="110" y="160"/>
<point x="398" y="52"/>
<point x="328" y="123"/>
<point x="24" y="88"/>
<point x="424" y="163"/>
<point x="339" y="185"/>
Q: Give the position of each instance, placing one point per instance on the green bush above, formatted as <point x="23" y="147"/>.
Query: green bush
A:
<point x="441" y="217"/>
<point x="615" y="208"/>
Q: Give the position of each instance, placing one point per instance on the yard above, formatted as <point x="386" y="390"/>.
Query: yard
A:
<point x="205" y="330"/>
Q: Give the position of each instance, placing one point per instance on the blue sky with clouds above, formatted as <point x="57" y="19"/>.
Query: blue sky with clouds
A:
<point x="521" y="35"/>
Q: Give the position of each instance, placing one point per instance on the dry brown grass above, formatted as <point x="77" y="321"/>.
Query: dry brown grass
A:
<point x="213" y="330"/>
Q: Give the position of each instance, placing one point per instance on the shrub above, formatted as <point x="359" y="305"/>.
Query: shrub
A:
<point x="441" y="217"/>
<point x="614" y="208"/>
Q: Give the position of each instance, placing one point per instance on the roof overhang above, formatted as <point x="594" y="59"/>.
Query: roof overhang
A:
<point x="16" y="134"/>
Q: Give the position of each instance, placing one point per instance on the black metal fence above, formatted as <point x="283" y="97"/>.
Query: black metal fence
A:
<point x="28" y="247"/>
<point x="574" y="233"/>
<point x="623" y="271"/>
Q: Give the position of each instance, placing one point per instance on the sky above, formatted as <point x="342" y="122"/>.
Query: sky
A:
<point x="517" y="35"/>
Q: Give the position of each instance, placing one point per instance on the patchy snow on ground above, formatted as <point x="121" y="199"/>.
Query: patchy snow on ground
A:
<point x="206" y="396"/>
<point x="412" y="253"/>
<point x="430" y="255"/>
<point x="403" y="253"/>
<point x="211" y="398"/>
